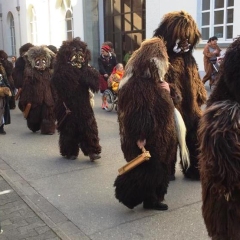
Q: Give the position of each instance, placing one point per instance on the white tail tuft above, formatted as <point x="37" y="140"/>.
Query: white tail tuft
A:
<point x="181" y="135"/>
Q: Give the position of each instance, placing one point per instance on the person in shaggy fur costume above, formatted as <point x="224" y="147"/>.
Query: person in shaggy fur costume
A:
<point x="72" y="79"/>
<point x="181" y="37"/>
<point x="36" y="100"/>
<point x="146" y="118"/>
<point x="219" y="158"/>
<point x="18" y="70"/>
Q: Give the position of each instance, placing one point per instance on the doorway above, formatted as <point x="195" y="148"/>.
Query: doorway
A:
<point x="124" y="25"/>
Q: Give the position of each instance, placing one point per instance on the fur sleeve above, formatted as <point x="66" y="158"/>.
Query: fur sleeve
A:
<point x="18" y="72"/>
<point x="27" y="92"/>
<point x="219" y="138"/>
<point x="92" y="78"/>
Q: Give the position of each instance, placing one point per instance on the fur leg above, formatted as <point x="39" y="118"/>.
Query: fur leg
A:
<point x="192" y="172"/>
<point x="68" y="145"/>
<point x="89" y="140"/>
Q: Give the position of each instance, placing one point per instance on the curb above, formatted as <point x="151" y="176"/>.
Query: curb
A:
<point x="50" y="215"/>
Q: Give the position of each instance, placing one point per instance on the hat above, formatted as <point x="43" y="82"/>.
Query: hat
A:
<point x="106" y="48"/>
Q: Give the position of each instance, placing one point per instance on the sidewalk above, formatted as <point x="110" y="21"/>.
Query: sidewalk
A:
<point x="18" y="220"/>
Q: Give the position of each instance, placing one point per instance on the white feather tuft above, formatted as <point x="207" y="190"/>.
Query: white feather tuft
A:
<point x="181" y="135"/>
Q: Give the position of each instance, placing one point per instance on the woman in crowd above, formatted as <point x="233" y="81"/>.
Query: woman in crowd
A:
<point x="211" y="52"/>
<point x="106" y="63"/>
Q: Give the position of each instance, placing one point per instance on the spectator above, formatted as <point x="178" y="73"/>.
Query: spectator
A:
<point x="53" y="48"/>
<point x="4" y="100"/>
<point x="127" y="57"/>
<point x="8" y="68"/>
<point x="110" y="44"/>
<point x="106" y="63"/>
<point x="211" y="52"/>
<point x="14" y="58"/>
<point x="115" y="77"/>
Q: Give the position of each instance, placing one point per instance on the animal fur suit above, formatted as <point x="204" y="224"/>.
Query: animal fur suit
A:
<point x="146" y="111"/>
<point x="219" y="159"/>
<point x="37" y="90"/>
<point x="181" y="37"/>
<point x="72" y="79"/>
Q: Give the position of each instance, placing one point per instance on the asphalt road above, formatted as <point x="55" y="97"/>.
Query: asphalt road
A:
<point x="76" y="198"/>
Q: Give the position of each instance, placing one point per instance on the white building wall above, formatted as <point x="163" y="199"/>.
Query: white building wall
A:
<point x="51" y="21"/>
<point x="78" y="19"/>
<point x="236" y="24"/>
<point x="51" y="25"/>
<point x="155" y="9"/>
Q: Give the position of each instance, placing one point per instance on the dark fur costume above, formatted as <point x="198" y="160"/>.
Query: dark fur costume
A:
<point x="180" y="32"/>
<point x="146" y="111"/>
<point x="219" y="159"/>
<point x="72" y="79"/>
<point x="20" y="66"/>
<point x="18" y="70"/>
<point x="37" y="90"/>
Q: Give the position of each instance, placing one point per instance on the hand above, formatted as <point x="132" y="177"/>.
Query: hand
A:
<point x="165" y="85"/>
<point x="141" y="143"/>
<point x="105" y="75"/>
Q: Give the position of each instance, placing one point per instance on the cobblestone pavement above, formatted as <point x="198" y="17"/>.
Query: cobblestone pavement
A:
<point x="18" y="220"/>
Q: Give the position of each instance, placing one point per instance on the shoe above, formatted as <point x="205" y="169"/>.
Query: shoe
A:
<point x="71" y="157"/>
<point x="106" y="108"/>
<point x="2" y="130"/>
<point x="156" y="206"/>
<point x="94" y="156"/>
<point x="103" y="106"/>
<point x="49" y="133"/>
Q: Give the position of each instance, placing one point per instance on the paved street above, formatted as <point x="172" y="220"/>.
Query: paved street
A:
<point x="75" y="199"/>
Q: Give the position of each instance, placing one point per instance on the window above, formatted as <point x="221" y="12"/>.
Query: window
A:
<point x="124" y="24"/>
<point x="217" y="19"/>
<point x="12" y="35"/>
<point x="69" y="25"/>
<point x="33" y="25"/>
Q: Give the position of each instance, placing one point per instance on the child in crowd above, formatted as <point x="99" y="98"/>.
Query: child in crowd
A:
<point x="115" y="77"/>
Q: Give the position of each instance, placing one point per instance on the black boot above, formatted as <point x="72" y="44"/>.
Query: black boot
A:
<point x="94" y="156"/>
<point x="155" y="205"/>
<point x="2" y="130"/>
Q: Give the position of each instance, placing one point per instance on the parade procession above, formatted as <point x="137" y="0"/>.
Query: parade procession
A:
<point x="119" y="119"/>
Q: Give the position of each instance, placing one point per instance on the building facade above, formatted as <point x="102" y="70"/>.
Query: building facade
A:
<point x="124" y="22"/>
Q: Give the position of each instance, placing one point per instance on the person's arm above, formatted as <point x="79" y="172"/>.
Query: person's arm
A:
<point x="165" y="86"/>
<point x="101" y="67"/>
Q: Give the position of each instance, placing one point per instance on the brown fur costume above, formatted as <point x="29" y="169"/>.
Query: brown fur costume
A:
<point x="146" y="111"/>
<point x="72" y="79"/>
<point x="219" y="159"/>
<point x="37" y="90"/>
<point x="180" y="32"/>
<point x="20" y="65"/>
